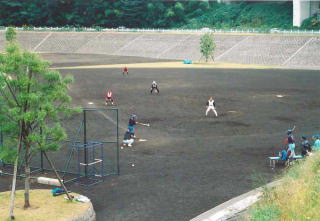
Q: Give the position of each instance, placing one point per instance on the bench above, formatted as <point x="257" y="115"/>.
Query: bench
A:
<point x="273" y="160"/>
<point x="187" y="61"/>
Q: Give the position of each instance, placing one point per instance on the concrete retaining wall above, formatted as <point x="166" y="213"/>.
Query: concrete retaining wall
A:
<point x="88" y="215"/>
<point x="291" y="51"/>
<point x="234" y="209"/>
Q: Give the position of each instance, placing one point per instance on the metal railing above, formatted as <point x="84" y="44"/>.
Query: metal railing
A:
<point x="203" y="30"/>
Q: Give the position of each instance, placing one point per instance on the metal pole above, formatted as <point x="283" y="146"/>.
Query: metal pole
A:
<point x="85" y="143"/>
<point x="102" y="163"/>
<point x="79" y="161"/>
<point x="118" y="155"/>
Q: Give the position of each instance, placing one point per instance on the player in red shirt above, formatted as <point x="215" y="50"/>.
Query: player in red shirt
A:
<point x="125" y="70"/>
<point x="109" y="97"/>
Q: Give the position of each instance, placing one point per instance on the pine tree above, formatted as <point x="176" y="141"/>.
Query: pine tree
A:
<point x="33" y="97"/>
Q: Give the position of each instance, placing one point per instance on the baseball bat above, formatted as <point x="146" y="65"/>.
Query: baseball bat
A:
<point x="148" y="125"/>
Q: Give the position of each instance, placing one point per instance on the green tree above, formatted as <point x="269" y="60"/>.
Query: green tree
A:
<point x="11" y="34"/>
<point x="146" y="13"/>
<point x="33" y="98"/>
<point x="132" y="12"/>
<point x="207" y="46"/>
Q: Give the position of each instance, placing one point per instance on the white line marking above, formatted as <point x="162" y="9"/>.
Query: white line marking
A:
<point x="88" y="42"/>
<point x="227" y="51"/>
<point x="294" y="54"/>
<point x="128" y="44"/>
<point x="168" y="49"/>
<point x="111" y="120"/>
<point x="43" y="40"/>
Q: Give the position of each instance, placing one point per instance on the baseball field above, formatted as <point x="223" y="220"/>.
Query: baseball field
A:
<point x="190" y="162"/>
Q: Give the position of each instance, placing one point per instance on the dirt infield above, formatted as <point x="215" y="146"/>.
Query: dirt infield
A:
<point x="190" y="162"/>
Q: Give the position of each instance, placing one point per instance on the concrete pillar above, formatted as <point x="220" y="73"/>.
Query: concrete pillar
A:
<point x="303" y="9"/>
<point x="225" y="1"/>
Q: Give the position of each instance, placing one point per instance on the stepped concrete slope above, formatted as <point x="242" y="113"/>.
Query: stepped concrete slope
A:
<point x="264" y="50"/>
<point x="30" y="41"/>
<point x="106" y="43"/>
<point x="65" y="42"/>
<point x="308" y="56"/>
<point x="289" y="51"/>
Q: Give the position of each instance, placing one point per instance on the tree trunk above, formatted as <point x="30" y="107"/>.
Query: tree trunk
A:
<point x="14" y="179"/>
<point x="57" y="175"/>
<point x="13" y="189"/>
<point x="212" y="58"/>
<point x="27" y="179"/>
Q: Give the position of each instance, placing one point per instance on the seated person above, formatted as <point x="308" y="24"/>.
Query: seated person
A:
<point x="128" y="139"/>
<point x="283" y="155"/>
<point x="305" y="146"/>
<point x="291" y="148"/>
<point x="316" y="145"/>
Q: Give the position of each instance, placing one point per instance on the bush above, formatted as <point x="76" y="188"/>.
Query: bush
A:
<point x="296" y="198"/>
<point x="244" y="15"/>
<point x="311" y="23"/>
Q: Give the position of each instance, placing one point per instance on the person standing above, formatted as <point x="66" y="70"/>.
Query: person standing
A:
<point x="154" y="87"/>
<point x="211" y="105"/>
<point x="131" y="125"/>
<point x="109" y="97"/>
<point x="125" y="70"/>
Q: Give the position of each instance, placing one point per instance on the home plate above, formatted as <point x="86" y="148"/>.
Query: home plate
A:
<point x="280" y="95"/>
<point x="232" y="111"/>
<point x="142" y="140"/>
<point x="90" y="102"/>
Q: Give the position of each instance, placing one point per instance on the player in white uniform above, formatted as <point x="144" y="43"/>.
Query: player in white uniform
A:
<point x="211" y="105"/>
<point x="154" y="87"/>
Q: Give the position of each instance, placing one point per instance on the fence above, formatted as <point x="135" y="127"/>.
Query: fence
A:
<point x="203" y="30"/>
<point x="92" y="125"/>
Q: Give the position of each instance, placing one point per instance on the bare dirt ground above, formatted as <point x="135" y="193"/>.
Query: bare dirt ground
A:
<point x="190" y="162"/>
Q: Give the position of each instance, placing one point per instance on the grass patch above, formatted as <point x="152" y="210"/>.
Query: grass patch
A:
<point x="43" y="207"/>
<point x="296" y="198"/>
